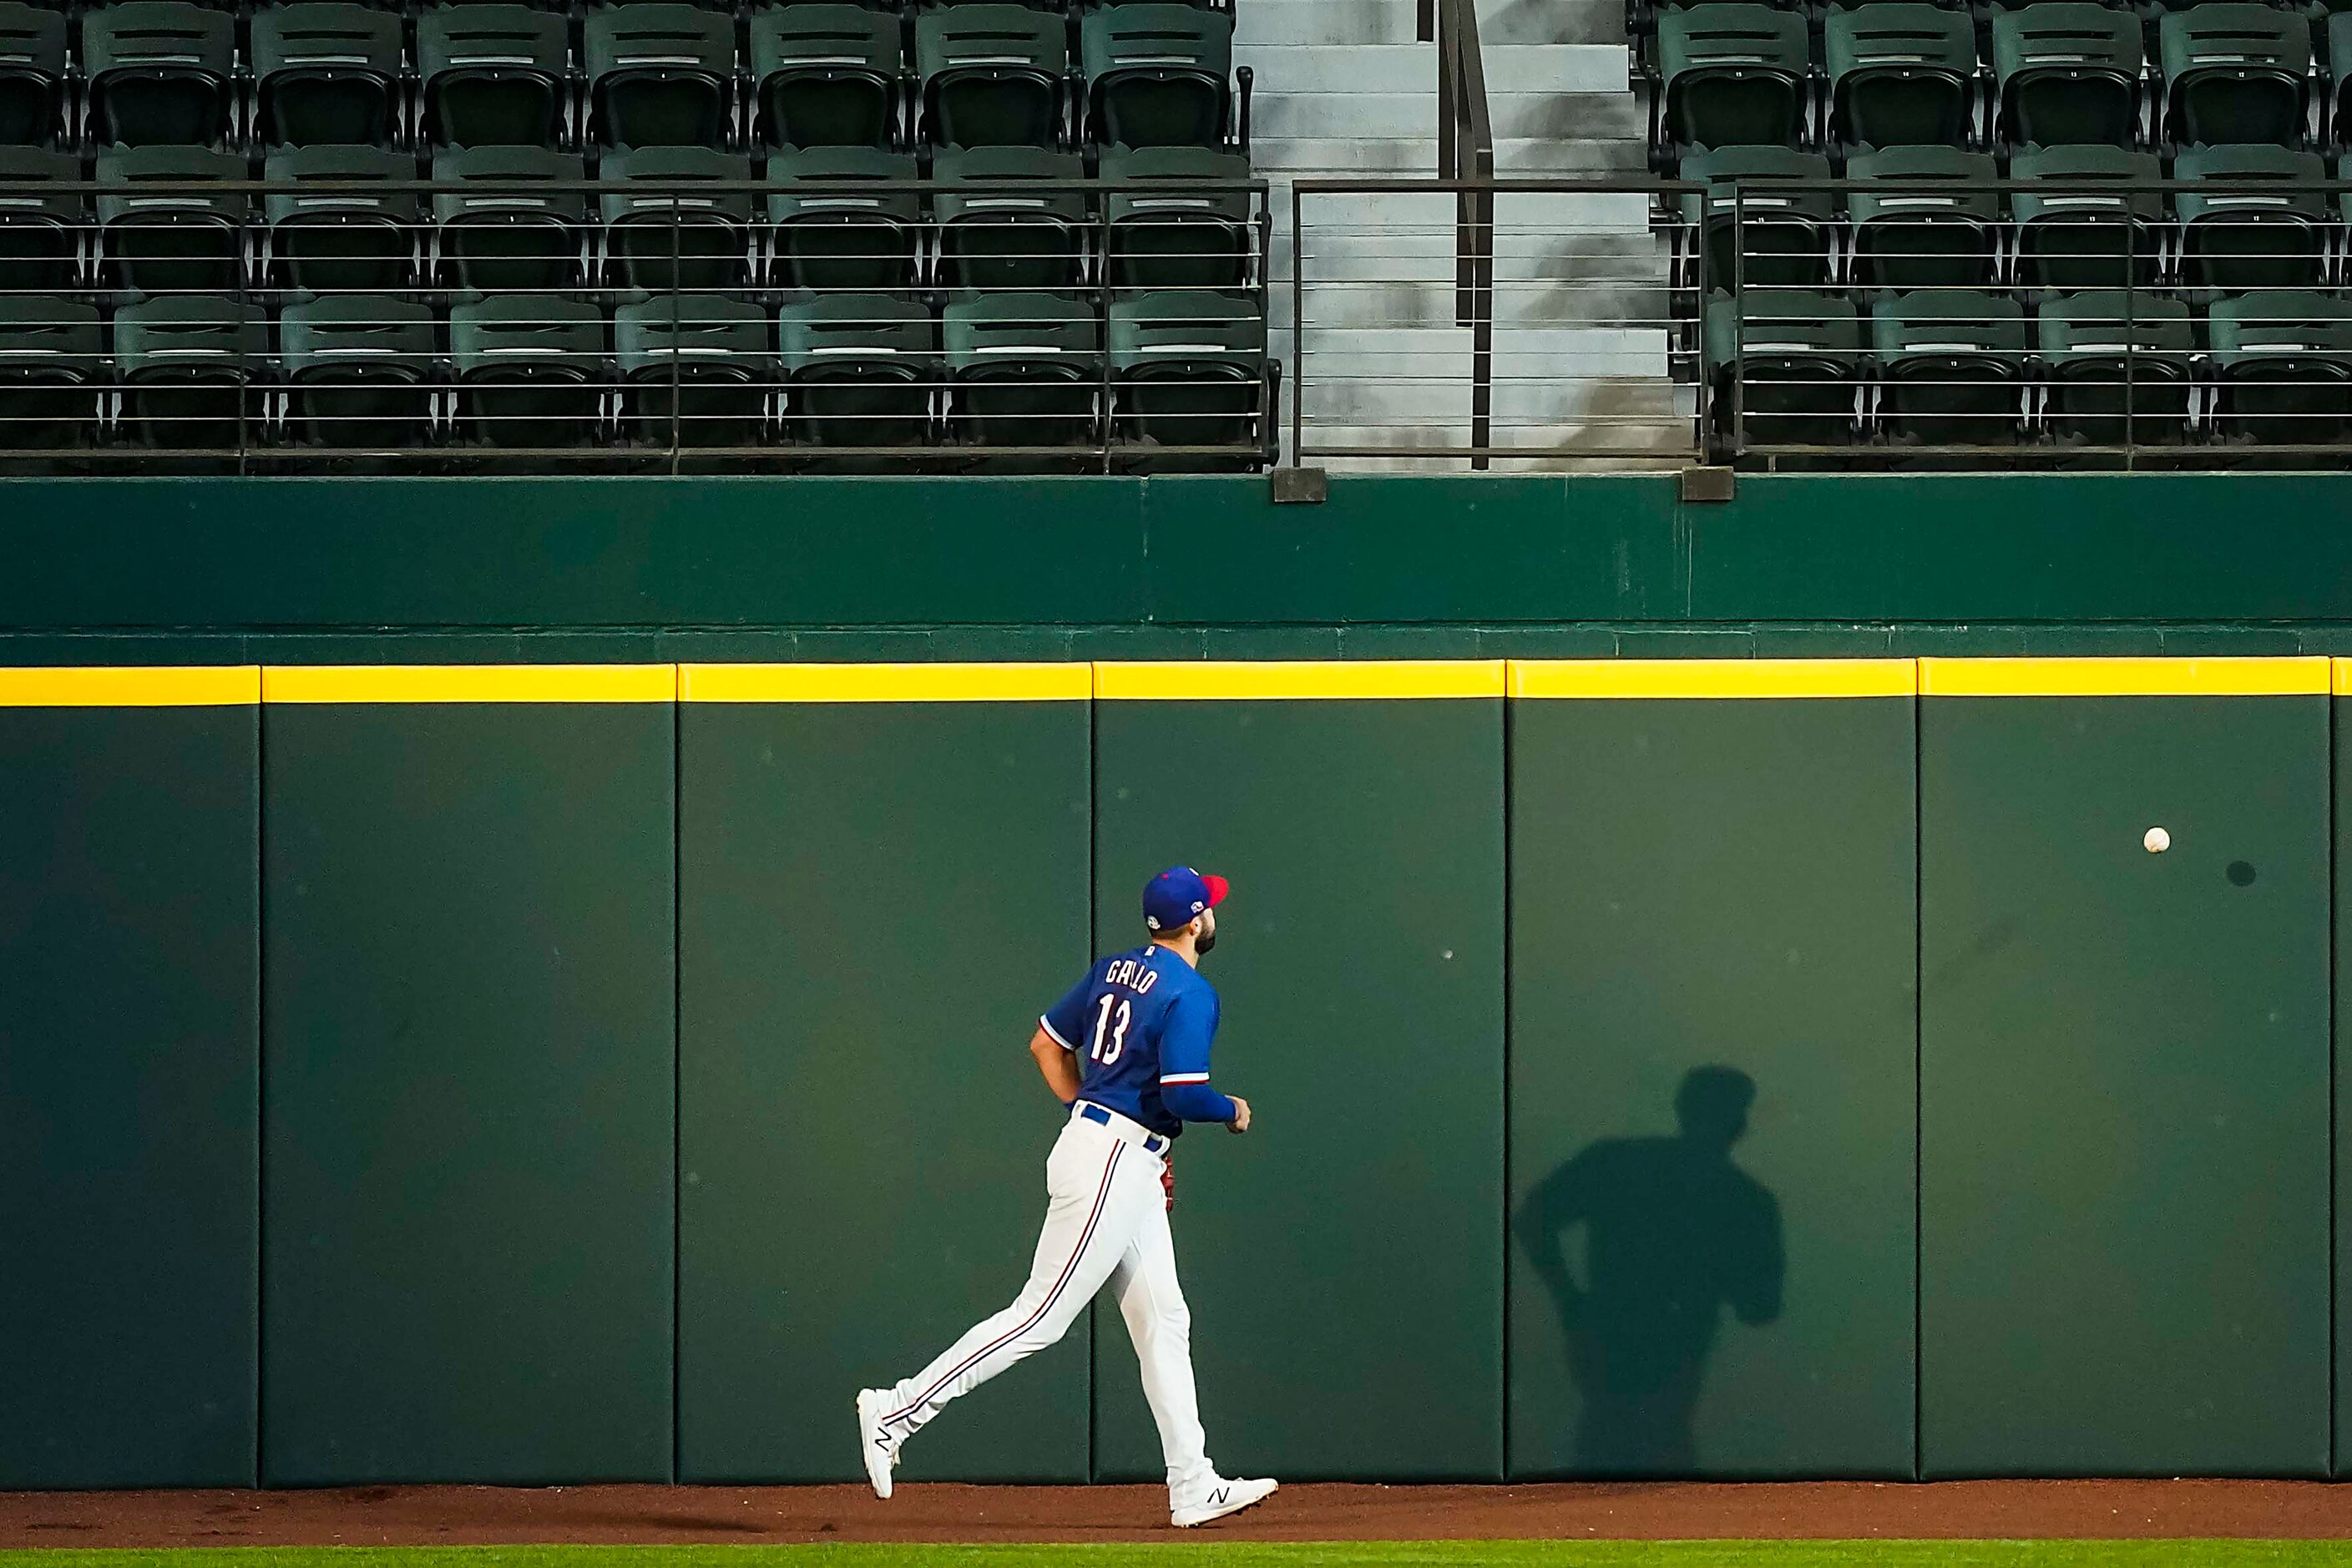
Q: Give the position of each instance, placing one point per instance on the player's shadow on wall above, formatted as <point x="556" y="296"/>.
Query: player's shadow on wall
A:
<point x="1675" y="1233"/>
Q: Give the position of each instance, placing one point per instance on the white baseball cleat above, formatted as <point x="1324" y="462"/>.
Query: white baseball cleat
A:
<point x="874" y="1439"/>
<point x="1213" y="1497"/>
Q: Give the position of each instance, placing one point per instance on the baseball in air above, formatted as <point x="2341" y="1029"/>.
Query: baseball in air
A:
<point x="2157" y="840"/>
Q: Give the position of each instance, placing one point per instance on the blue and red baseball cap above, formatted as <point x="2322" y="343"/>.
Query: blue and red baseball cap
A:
<point x="1175" y="896"/>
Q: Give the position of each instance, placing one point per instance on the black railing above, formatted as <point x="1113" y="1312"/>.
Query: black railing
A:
<point x="1465" y="153"/>
<point x="2168" y="323"/>
<point x="891" y="324"/>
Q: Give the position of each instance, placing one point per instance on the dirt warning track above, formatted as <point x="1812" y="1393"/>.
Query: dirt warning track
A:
<point x="623" y="1515"/>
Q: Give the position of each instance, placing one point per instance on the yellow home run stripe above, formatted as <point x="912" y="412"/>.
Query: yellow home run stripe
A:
<point x="1277" y="681"/>
<point x="422" y="683"/>
<point x="184" y="686"/>
<point x="886" y="682"/>
<point x="2344" y="677"/>
<point x="2123" y="677"/>
<point x="1690" y="679"/>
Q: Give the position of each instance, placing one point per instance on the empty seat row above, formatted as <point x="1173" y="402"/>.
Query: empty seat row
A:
<point x="1919" y="217"/>
<point x="1903" y="72"/>
<point x="1183" y="370"/>
<point x="1958" y="368"/>
<point x="656" y="218"/>
<point x="647" y="73"/>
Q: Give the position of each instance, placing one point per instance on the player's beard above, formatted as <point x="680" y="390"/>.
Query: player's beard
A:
<point x="1204" y="941"/>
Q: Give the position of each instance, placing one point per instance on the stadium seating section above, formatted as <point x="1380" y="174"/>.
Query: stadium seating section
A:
<point x="2061" y="224"/>
<point x="329" y="233"/>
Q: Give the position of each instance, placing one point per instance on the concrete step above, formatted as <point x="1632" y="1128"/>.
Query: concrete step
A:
<point x="1347" y="71"/>
<point x="1352" y="69"/>
<point x="1341" y="156"/>
<point x="1325" y="22"/>
<point x="1517" y="68"/>
<point x="1569" y="116"/>
<point x="1501" y="23"/>
<point x="1521" y="222"/>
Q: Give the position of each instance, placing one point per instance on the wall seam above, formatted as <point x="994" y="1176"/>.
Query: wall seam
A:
<point x="1918" y="1070"/>
<point x="1504" y="1342"/>
<point x="260" y="1068"/>
<point x="2335" y="1022"/>
<point x="677" y="1071"/>
<point x="1093" y="820"/>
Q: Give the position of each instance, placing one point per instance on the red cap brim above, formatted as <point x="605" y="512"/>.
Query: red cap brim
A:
<point x="1218" y="888"/>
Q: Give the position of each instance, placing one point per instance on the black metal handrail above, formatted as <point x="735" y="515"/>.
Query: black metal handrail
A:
<point x="1465" y="151"/>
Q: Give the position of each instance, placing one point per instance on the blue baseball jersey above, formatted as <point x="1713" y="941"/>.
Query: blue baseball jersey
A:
<point x="1140" y="1023"/>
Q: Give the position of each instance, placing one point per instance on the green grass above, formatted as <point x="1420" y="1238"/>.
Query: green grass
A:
<point x="1199" y="1553"/>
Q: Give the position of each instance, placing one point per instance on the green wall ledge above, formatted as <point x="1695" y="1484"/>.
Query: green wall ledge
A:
<point x="1581" y="566"/>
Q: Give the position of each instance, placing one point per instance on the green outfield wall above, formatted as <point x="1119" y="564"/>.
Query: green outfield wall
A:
<point x="520" y="1071"/>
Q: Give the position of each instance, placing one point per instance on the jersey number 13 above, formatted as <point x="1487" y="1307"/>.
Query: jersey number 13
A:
<point x="1110" y="1029"/>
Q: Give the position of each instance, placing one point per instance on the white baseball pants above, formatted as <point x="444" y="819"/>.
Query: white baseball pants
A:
<point x="1106" y="1220"/>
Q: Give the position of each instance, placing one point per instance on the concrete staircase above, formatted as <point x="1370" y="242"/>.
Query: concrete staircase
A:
<point x="1581" y="304"/>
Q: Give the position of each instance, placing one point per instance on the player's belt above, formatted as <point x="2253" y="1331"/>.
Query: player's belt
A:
<point x="1125" y="1128"/>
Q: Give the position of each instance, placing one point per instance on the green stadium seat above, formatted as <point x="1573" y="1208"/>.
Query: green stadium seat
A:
<point x="191" y="368"/>
<point x="495" y="76"/>
<point x="2071" y="239"/>
<point x="52" y="368"/>
<point x="33" y="74"/>
<point x="1785" y="367"/>
<point x="1950" y="367"/>
<point x="329" y="72"/>
<point x="1188" y="368"/>
<point x="862" y="371"/>
<point x="361" y="372"/>
<point x="2265" y="229"/>
<point x="2282" y="368"/>
<point x="702" y="368"/>
<point x="1757" y="235"/>
<point x="1010" y="238"/>
<point x="1730" y="74"/>
<point x="43" y="222"/>
<point x="1158" y="74"/>
<point x="992" y="75"/>
<point x="661" y="232"/>
<point x="159" y="73"/>
<point x="1924" y="217"/>
<point x="2068" y="73"/>
<point x="829" y="75"/>
<point x="341" y="241"/>
<point x="532" y="371"/>
<point x="514" y="219"/>
<point x="1184" y="222"/>
<point x="1901" y="73"/>
<point x="824" y="233"/>
<point x="171" y="241"/>
<point x="2235" y="72"/>
<point x="2115" y="362"/>
<point x="1024" y="371"/>
<point x="660" y="74"/>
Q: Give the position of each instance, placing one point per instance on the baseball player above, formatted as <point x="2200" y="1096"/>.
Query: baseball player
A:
<point x="1128" y="1051"/>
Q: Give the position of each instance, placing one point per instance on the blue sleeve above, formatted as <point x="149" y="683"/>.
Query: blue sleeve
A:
<point x="1185" y="1038"/>
<point x="1066" y="1020"/>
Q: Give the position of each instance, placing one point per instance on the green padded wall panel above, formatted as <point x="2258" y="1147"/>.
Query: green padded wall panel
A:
<point x="877" y="900"/>
<point x="1711" y="900"/>
<point x="2124" y="1086"/>
<point x="1343" y="1260"/>
<point x="468" y="1091"/>
<point x="129" y="1108"/>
